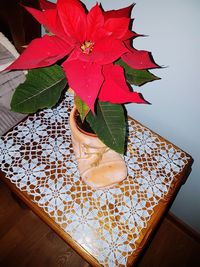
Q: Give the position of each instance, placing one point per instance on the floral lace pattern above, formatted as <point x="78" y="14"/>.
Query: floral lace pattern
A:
<point x="37" y="156"/>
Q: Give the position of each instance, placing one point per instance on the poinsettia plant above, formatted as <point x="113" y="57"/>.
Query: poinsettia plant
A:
<point x="90" y="52"/>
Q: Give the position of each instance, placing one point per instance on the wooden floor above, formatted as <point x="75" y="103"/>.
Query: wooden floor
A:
<point x="25" y="241"/>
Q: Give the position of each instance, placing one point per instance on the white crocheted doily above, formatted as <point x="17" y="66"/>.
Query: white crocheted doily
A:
<point x="37" y="156"/>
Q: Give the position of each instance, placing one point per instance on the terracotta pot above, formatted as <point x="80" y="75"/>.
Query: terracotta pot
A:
<point x="99" y="166"/>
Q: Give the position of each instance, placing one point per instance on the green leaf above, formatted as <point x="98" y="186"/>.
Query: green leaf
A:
<point x="41" y="89"/>
<point x="137" y="77"/>
<point x="109" y="124"/>
<point x="82" y="108"/>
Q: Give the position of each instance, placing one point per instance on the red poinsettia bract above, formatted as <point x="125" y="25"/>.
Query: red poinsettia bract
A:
<point x="89" y="43"/>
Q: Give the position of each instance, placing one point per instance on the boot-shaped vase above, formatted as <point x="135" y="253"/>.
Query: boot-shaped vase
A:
<point x="99" y="166"/>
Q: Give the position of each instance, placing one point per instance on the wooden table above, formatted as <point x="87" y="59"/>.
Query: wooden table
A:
<point x="106" y="227"/>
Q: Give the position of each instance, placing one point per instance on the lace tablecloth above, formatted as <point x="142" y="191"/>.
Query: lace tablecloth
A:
<point x="37" y="157"/>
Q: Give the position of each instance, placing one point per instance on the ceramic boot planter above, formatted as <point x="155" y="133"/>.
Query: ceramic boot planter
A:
<point x="99" y="166"/>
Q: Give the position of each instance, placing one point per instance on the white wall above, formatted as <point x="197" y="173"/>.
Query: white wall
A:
<point x="173" y="27"/>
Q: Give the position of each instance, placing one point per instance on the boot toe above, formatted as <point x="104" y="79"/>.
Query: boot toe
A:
<point x="105" y="175"/>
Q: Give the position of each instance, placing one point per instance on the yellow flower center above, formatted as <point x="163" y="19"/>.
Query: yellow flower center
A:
<point x="87" y="47"/>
